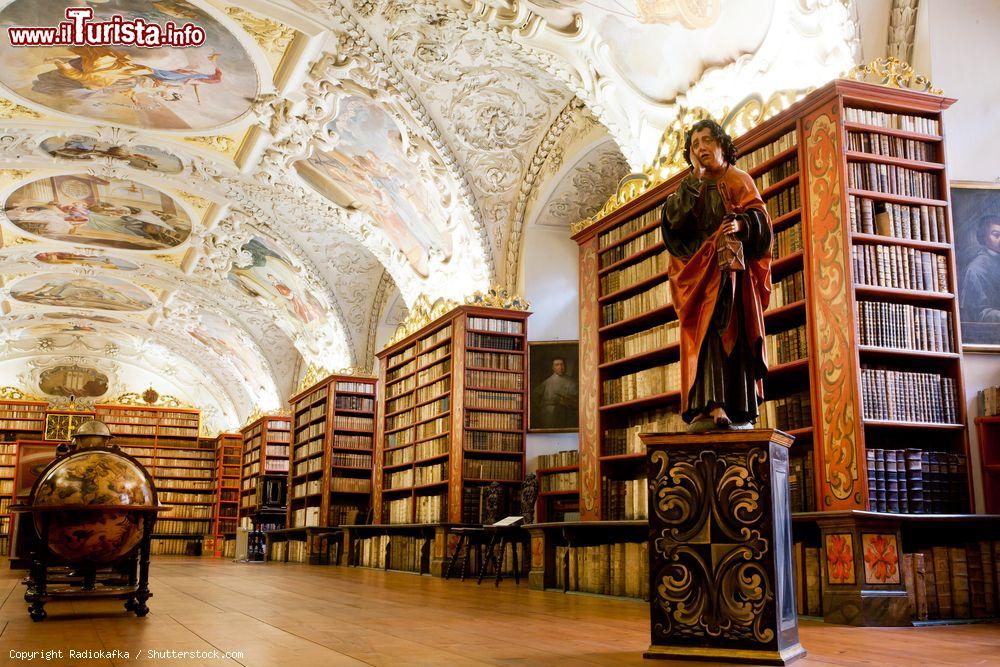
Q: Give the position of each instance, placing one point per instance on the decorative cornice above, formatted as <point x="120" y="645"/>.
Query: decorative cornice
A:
<point x="257" y="413"/>
<point x="669" y="160"/>
<point x="423" y="311"/>
<point x="10" y="110"/>
<point x="162" y="401"/>
<point x="892" y="73"/>
<point x="14" y="394"/>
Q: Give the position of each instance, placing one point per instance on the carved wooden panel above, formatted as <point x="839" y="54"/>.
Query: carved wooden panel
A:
<point x="831" y="317"/>
<point x="590" y="437"/>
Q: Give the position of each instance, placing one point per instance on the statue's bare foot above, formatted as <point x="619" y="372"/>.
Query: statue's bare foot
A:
<point x="718" y="414"/>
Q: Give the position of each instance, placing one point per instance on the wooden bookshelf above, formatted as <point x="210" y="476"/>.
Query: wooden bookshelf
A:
<point x="166" y="441"/>
<point x="22" y="419"/>
<point x="558" y="485"/>
<point x="264" y="474"/>
<point x="823" y="359"/>
<point x="330" y="475"/>
<point x="8" y="459"/>
<point x="228" y="463"/>
<point x="452" y="417"/>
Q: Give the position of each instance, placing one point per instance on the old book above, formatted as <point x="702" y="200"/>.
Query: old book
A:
<point x="977" y="592"/>
<point x="798" y="556"/>
<point x="914" y="481"/>
<point x="560" y="567"/>
<point x="574" y="568"/>
<point x="604" y="569"/>
<point x="618" y="569"/>
<point x="632" y="569"/>
<point x="989" y="578"/>
<point x="930" y="582"/>
<point x="960" y="598"/>
<point x="920" y="586"/>
<point x="942" y="577"/>
<point x="814" y="603"/>
<point x="909" y="582"/>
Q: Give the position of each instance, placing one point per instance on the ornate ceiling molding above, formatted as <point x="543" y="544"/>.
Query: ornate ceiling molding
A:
<point x="902" y="28"/>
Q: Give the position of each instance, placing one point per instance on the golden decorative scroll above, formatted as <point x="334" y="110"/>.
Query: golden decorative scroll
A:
<point x="424" y="311"/>
<point x="892" y="73"/>
<point x="831" y="313"/>
<point x="10" y="110"/>
<point x="9" y="393"/>
<point x="218" y="143"/>
<point x="160" y="401"/>
<point x="271" y="35"/>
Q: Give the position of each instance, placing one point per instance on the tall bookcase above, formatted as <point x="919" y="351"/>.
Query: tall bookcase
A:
<point x="864" y="279"/>
<point x="166" y="441"/>
<point x="452" y="416"/>
<point x="264" y="475"/>
<point x="330" y="476"/>
<point x="19" y="420"/>
<point x="228" y="463"/>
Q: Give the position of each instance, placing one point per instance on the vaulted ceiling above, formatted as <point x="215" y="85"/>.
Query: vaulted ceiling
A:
<point x="213" y="220"/>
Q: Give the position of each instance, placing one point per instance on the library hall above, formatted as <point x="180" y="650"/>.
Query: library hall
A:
<point x="499" y="332"/>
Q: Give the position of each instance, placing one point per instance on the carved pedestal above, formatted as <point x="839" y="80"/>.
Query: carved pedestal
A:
<point x="720" y="547"/>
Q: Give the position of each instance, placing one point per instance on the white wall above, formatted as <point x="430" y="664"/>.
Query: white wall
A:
<point x="551" y="285"/>
<point x="959" y="42"/>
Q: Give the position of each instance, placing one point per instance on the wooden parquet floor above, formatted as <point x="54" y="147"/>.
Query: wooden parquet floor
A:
<point x="306" y="616"/>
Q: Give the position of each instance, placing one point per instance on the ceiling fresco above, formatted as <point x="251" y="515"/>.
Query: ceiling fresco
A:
<point x="215" y="220"/>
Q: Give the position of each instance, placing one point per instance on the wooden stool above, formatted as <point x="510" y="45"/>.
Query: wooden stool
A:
<point x="500" y="536"/>
<point x="468" y="538"/>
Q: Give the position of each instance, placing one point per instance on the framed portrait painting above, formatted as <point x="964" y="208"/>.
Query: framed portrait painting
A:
<point x="554" y="384"/>
<point x="976" y="218"/>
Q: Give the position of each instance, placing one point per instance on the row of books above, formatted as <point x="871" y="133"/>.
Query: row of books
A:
<point x="766" y="152"/>
<point x="655" y="297"/>
<point x="783" y="202"/>
<point x="620" y="279"/>
<point x="877" y="143"/>
<point x="907" y="396"/>
<point x="348" y="402"/>
<point x="494" y="379"/>
<point x="989" y="401"/>
<point x="631" y="247"/>
<point x="306" y="488"/>
<point x="498" y="360"/>
<point x="625" y="499"/>
<point x="647" y="382"/>
<point x="492" y="341"/>
<point x="290" y="551"/>
<point x="432" y="409"/>
<point x="356" y="387"/>
<point x="474" y="509"/>
<point x="496" y="400"/>
<point x="426" y="393"/>
<point x="431" y="474"/>
<point x="914" y="481"/>
<point x="314" y="396"/>
<point x="428" y="358"/>
<point x="203" y="461"/>
<point x="654" y="338"/>
<point x="400" y="371"/>
<point x="787" y="346"/>
<point x="174" y="496"/>
<point x="171" y="526"/>
<point x="401" y="387"/>
<point x="308" y="466"/>
<point x="396" y="422"/>
<point x="560" y="481"/>
<point x="495" y="325"/>
<point x="397" y="511"/>
<point x="353" y="422"/>
<point x="352" y="460"/>
<point x="194" y="473"/>
<point x="788" y="241"/>
<point x="20" y="425"/>
<point x="312" y="431"/>
<point x="371" y="551"/>
<point x="802" y="482"/>
<point x="429" y="448"/>
<point x="808" y="592"/>
<point x="345" y="512"/>
<point x="625" y="439"/>
<point x="902" y="326"/>
<point x="352" y="441"/>
<point x="399" y="456"/>
<point x="567" y="457"/>
<point x="304" y="516"/>
<point x="400" y="479"/>
<point x="788" y="290"/>
<point x="484" y="441"/>
<point x="315" y="412"/>
<point x="778" y="173"/>
<point x="273" y="466"/>
<point x="497" y="469"/>
<point x="492" y="421"/>
<point x="631" y="226"/>
<point x="892" y="179"/>
<point x="351" y="485"/>
<point x="175" y="547"/>
<point x="895" y="121"/>
<point x="187" y="512"/>
<point x="439" y="336"/>
<point x="786" y="414"/>
<point x="392" y="552"/>
<point x="188" y="484"/>
<point x="620" y="569"/>
<point x="433" y="428"/>
<point x="437" y="370"/>
<point x="954" y="581"/>
<point x="899" y="267"/>
<point x="431" y="509"/>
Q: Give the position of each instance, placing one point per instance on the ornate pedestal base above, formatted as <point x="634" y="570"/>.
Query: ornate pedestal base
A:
<point x="720" y="547"/>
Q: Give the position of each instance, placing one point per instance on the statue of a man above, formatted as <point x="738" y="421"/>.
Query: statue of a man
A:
<point x="720" y="289"/>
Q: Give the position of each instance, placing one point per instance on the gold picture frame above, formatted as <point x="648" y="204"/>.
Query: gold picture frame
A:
<point x="553" y="398"/>
<point x="971" y="203"/>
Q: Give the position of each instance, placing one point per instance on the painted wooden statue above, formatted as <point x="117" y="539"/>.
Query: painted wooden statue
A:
<point x="718" y="234"/>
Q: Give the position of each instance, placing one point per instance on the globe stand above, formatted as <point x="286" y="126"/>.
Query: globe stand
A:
<point x="135" y="592"/>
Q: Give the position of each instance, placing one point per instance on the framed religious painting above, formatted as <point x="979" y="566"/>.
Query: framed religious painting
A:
<point x="976" y="219"/>
<point x="554" y="384"/>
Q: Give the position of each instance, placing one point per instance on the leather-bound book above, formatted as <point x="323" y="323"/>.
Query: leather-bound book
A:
<point x="989" y="578"/>
<point x="960" y="598"/>
<point x="942" y="577"/>
<point x="814" y="601"/>
<point x="910" y="584"/>
<point x="930" y="581"/>
<point x="977" y="586"/>
<point x="914" y="482"/>
<point x="920" y="586"/>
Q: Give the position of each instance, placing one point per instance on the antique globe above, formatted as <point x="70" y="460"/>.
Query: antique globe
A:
<point x="93" y="499"/>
